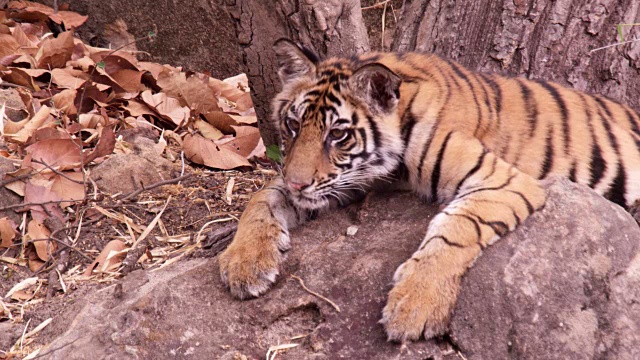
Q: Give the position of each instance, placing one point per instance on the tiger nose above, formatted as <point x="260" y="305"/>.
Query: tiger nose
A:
<point x="299" y="184"/>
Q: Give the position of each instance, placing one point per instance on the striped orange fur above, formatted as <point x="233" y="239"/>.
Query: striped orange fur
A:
<point x="475" y="142"/>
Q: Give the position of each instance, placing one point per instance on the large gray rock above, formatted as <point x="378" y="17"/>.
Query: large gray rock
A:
<point x="572" y="264"/>
<point x="565" y="286"/>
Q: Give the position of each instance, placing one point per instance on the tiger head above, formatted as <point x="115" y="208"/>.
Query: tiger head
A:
<point x="338" y="122"/>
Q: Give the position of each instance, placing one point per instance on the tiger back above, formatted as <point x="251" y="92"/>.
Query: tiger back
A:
<point x="477" y="143"/>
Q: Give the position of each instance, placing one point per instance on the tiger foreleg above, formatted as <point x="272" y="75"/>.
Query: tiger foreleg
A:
<point x="488" y="198"/>
<point x="252" y="261"/>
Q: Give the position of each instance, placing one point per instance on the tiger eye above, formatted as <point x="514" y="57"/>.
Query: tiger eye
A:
<point x="337" y="133"/>
<point x="293" y="124"/>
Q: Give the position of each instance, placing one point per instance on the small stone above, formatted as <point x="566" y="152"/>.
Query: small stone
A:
<point x="352" y="230"/>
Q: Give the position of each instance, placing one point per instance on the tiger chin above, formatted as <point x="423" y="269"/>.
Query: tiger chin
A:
<point x="477" y="143"/>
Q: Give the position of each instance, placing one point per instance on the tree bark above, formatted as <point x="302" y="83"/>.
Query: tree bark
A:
<point x="546" y="39"/>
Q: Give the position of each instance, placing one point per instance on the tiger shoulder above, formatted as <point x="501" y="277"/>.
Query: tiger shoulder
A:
<point x="540" y="127"/>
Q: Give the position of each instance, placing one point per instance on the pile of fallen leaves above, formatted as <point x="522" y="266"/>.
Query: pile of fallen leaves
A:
<point x="76" y="99"/>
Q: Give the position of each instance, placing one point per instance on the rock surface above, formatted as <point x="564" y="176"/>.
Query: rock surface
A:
<point x="124" y="173"/>
<point x="564" y="285"/>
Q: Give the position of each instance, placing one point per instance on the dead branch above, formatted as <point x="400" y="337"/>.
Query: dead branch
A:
<point x="218" y="240"/>
<point x="136" y="251"/>
<point x="153" y="186"/>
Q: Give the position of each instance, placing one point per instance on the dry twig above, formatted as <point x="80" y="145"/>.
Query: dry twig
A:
<point x="315" y="293"/>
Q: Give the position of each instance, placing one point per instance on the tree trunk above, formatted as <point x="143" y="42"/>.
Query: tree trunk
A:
<point x="548" y="39"/>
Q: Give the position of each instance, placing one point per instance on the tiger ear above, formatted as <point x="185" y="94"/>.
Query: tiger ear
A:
<point x="377" y="85"/>
<point x="293" y="61"/>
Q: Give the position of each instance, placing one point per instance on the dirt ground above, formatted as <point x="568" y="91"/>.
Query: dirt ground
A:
<point x="195" y="202"/>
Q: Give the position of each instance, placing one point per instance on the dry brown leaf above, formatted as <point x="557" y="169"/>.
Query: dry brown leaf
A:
<point x="249" y="119"/>
<point x="35" y="264"/>
<point x="154" y="68"/>
<point x="21" y="295"/>
<point x="91" y="121"/>
<point x="207" y="130"/>
<point x="37" y="231"/>
<point x="31" y="11"/>
<point x="84" y="63"/>
<point x="37" y="191"/>
<point x="8" y="45"/>
<point x="63" y="154"/>
<point x="246" y="140"/>
<point x="129" y="80"/>
<point x="109" y="259"/>
<point x="54" y="53"/>
<point x="20" y="77"/>
<point x="63" y="101"/>
<point x="206" y="152"/>
<point x="169" y="108"/>
<point x="12" y="127"/>
<point x="107" y="56"/>
<point x="105" y="145"/>
<point x="171" y="81"/>
<point x="49" y="133"/>
<point x="7" y="232"/>
<point x="221" y="121"/>
<point x="66" y="189"/>
<point x="197" y="94"/>
<point x="136" y="108"/>
<point x="22" y="38"/>
<point x="68" y="78"/>
<point x="70" y="19"/>
<point x="37" y="121"/>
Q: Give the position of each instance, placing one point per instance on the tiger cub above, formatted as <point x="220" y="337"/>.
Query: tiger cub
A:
<point x="477" y="143"/>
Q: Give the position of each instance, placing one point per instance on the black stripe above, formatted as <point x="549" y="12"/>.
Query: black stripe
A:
<point x="531" y="105"/>
<point x="548" y="154"/>
<point x="315" y="93"/>
<point x="632" y="120"/>
<point x="377" y="137"/>
<point x="473" y="170"/>
<point x="597" y="166"/>
<point x="473" y="221"/>
<point x="493" y="168"/>
<point x="499" y="227"/>
<point x="456" y="68"/>
<point x="497" y="96"/>
<point x="354" y="119"/>
<point x="435" y="174"/>
<point x="333" y="98"/>
<point x="409" y="121"/>
<point x="504" y="185"/>
<point x="617" y="190"/>
<point x="486" y="99"/>
<point x="603" y="106"/>
<point x="446" y="241"/>
<point x="530" y="208"/>
<point x="434" y="129"/>
<point x="563" y="111"/>
<point x="572" y="172"/>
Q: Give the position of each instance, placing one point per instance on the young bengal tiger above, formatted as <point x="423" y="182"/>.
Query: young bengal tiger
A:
<point x="478" y="143"/>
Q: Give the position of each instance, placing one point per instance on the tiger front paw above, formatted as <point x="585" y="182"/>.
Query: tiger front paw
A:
<point x="250" y="265"/>
<point x="420" y="303"/>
